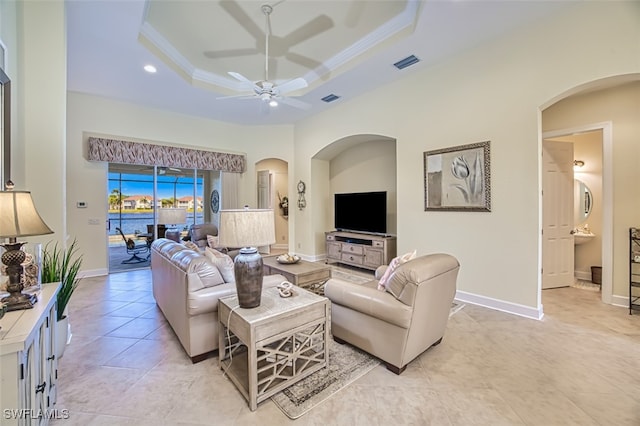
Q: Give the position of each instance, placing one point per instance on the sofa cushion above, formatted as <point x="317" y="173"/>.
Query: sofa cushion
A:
<point x="223" y="262"/>
<point x="192" y="262"/>
<point x="191" y="245"/>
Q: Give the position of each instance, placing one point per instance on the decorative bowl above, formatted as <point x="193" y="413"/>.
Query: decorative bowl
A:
<point x="288" y="258"/>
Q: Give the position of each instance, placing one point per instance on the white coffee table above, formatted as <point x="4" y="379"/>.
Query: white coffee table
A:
<point x="268" y="348"/>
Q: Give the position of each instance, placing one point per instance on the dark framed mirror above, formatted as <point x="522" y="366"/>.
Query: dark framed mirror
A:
<point x="5" y="126"/>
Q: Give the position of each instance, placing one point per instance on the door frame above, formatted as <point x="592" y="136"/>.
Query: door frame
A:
<point x="607" y="206"/>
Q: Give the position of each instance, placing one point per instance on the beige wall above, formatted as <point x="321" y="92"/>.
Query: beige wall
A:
<point x="35" y="39"/>
<point x="368" y="166"/>
<point x="481" y="95"/>
<point x="493" y="92"/>
<point x="87" y="181"/>
<point x="621" y="107"/>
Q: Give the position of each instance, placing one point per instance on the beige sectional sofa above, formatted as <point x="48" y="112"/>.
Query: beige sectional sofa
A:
<point x="186" y="287"/>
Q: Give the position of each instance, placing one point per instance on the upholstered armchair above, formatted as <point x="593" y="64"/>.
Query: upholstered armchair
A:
<point x="199" y="232"/>
<point x="398" y="324"/>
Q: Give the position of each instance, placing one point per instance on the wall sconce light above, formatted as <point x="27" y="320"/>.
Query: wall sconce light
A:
<point x="577" y="164"/>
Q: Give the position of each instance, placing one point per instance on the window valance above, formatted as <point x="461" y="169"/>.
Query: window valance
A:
<point x="125" y="152"/>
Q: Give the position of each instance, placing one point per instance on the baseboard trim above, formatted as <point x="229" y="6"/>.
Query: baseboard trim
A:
<point x="500" y="305"/>
<point x="582" y="275"/>
<point x="621" y="301"/>
<point x="93" y="273"/>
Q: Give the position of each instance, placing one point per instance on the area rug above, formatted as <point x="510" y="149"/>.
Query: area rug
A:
<point x="346" y="364"/>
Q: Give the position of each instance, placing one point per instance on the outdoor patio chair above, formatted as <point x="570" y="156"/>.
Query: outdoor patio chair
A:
<point x="135" y="249"/>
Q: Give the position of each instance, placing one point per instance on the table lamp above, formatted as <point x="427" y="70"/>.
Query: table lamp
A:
<point x="248" y="229"/>
<point x="18" y="218"/>
<point x="171" y="217"/>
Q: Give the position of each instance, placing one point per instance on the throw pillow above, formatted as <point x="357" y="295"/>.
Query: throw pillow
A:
<point x="130" y="244"/>
<point x="191" y="245"/>
<point x="393" y="265"/>
<point x="223" y="262"/>
<point x="212" y="241"/>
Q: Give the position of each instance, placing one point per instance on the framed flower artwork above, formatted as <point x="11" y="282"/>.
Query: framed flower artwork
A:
<point x="458" y="178"/>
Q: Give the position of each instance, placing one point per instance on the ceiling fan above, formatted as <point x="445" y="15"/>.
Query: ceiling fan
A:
<point x="265" y="90"/>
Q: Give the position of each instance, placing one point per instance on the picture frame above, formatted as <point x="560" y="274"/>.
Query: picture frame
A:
<point x="5" y="129"/>
<point x="458" y="178"/>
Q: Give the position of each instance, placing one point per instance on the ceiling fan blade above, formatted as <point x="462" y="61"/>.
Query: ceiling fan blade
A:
<point x="292" y="85"/>
<point x="237" y="13"/>
<point x="295" y="103"/>
<point x="250" y="84"/>
<point x="215" y="54"/>
<point x="245" y="96"/>
<point x="311" y="29"/>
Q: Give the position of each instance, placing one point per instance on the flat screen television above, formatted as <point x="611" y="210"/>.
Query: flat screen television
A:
<point x="361" y="212"/>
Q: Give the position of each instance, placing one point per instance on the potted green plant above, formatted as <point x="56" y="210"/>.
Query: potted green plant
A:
<point x="62" y="265"/>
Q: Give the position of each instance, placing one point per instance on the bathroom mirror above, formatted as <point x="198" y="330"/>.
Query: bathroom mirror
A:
<point x="583" y="201"/>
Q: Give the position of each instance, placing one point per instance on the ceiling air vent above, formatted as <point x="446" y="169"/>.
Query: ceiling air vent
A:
<point x="406" y="62"/>
<point x="330" y="98"/>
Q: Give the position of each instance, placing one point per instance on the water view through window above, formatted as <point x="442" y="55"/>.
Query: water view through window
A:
<point x="132" y="201"/>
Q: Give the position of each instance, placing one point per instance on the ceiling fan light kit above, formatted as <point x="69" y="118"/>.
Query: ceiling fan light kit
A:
<point x="265" y="90"/>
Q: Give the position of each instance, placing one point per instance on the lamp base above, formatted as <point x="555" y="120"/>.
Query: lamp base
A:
<point x="13" y="258"/>
<point x="18" y="301"/>
<point x="248" y="271"/>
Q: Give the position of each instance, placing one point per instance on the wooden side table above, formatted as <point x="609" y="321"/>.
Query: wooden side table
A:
<point x="268" y="348"/>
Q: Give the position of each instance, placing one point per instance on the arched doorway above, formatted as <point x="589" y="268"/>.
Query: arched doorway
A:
<point x="598" y="107"/>
<point x="272" y="180"/>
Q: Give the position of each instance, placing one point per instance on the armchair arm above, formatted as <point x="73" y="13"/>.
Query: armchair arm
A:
<point x="368" y="301"/>
<point x="380" y="271"/>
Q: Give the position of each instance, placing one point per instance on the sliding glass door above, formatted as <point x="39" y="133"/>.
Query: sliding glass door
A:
<point x="135" y="194"/>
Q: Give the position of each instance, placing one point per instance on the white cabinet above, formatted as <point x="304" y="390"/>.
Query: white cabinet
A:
<point x="362" y="250"/>
<point x="28" y="363"/>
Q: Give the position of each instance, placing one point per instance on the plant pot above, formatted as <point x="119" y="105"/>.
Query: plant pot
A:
<point x="63" y="335"/>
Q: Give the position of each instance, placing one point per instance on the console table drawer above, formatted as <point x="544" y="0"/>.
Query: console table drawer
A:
<point x="352" y="258"/>
<point x="353" y="249"/>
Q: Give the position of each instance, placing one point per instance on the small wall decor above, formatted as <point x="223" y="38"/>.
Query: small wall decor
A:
<point x="458" y="178"/>
<point x="284" y="204"/>
<point x="302" y="203"/>
<point x="215" y="201"/>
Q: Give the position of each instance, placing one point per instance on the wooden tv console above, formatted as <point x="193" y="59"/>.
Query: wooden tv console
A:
<point x="362" y="250"/>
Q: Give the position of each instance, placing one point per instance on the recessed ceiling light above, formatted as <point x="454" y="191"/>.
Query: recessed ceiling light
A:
<point x="150" y="69"/>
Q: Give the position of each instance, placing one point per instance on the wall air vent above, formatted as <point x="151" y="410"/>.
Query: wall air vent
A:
<point x="330" y="98"/>
<point x="406" y="62"/>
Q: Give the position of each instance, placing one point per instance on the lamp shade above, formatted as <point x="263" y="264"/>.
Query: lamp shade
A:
<point x="246" y="228"/>
<point x="172" y="216"/>
<point x="19" y="217"/>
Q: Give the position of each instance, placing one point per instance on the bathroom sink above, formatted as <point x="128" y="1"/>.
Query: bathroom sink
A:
<point x="581" y="238"/>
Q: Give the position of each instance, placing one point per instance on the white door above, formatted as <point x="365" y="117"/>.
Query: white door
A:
<point x="264" y="198"/>
<point x="557" y="214"/>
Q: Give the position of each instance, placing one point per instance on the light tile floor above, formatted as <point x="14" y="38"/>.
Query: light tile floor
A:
<point x="578" y="366"/>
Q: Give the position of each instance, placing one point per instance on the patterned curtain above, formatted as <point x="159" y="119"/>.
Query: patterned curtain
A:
<point x="125" y="152"/>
